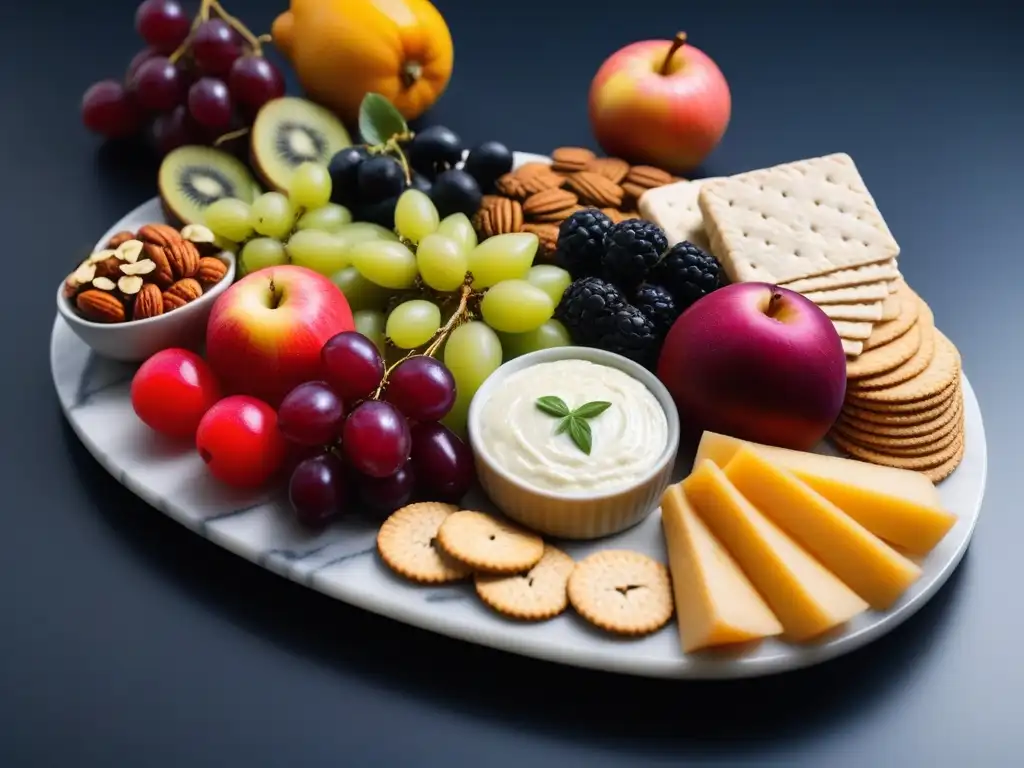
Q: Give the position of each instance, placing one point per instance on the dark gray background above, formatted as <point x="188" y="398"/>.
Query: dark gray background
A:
<point x="128" y="641"/>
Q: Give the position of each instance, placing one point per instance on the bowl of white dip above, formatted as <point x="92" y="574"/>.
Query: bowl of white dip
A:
<point x="574" y="442"/>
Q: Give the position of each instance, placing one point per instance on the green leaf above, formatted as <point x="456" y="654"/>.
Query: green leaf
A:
<point x="579" y="431"/>
<point x="379" y="120"/>
<point x="553" y="406"/>
<point x="592" y="409"/>
<point x="563" y="425"/>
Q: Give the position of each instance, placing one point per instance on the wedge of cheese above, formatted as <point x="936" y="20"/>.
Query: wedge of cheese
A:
<point x="807" y="598"/>
<point x="898" y="505"/>
<point x="863" y="562"/>
<point x="715" y="602"/>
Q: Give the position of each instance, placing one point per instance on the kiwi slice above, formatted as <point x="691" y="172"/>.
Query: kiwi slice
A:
<point x="290" y="131"/>
<point x="191" y="178"/>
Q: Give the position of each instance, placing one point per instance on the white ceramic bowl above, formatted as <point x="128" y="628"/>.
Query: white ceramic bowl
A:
<point x="136" y="340"/>
<point x="577" y="516"/>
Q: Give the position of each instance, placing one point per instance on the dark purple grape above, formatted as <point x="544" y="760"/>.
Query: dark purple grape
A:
<point x="386" y="494"/>
<point x="422" y="388"/>
<point x="442" y="462"/>
<point x="162" y="23"/>
<point x="376" y="439"/>
<point x="158" y="85"/>
<point x="109" y="110"/>
<point x="174" y="129"/>
<point x="344" y="170"/>
<point x="455" y="191"/>
<point x="137" y="60"/>
<point x="379" y="178"/>
<point x="215" y="47"/>
<point x="317" y="489"/>
<point x="487" y="162"/>
<point x="210" y="104"/>
<point x="434" y="149"/>
<point x="253" y="81"/>
<point x="311" y="414"/>
<point x="352" y="365"/>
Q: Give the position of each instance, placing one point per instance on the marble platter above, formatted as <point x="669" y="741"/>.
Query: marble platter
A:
<point x="342" y="561"/>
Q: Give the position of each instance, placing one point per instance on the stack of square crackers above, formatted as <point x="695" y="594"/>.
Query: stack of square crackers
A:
<point x="813" y="227"/>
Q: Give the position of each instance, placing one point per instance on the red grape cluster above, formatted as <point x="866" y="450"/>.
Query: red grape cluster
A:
<point x="196" y="80"/>
<point x="376" y="433"/>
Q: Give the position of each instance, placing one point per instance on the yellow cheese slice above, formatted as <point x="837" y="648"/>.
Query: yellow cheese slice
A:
<point x="715" y="602"/>
<point x="898" y="505"/>
<point x="865" y="563"/>
<point x="802" y="593"/>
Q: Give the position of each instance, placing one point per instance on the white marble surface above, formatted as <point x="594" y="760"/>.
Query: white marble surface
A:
<point x="342" y="562"/>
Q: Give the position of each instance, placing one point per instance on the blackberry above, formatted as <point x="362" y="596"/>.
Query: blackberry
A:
<point x="597" y="315"/>
<point x="688" y="272"/>
<point x="631" y="248"/>
<point x="657" y="305"/>
<point x="581" y="243"/>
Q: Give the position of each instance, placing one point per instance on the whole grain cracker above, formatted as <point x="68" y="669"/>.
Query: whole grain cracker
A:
<point x="852" y="348"/>
<point x="910" y="306"/>
<point x="912" y="422"/>
<point x="485" y="543"/>
<point x="918" y="463"/>
<point x="854" y="294"/>
<point x="870" y="312"/>
<point x="891" y="304"/>
<point x="622" y="591"/>
<point x="883" y="359"/>
<point x="796" y="220"/>
<point x="945" y="469"/>
<point x="909" y="451"/>
<point x="898" y="443"/>
<point x="912" y="367"/>
<point x="538" y="594"/>
<point x="406" y="542"/>
<point x="844" y="278"/>
<point x="913" y="407"/>
<point x="674" y="208"/>
<point x="941" y="372"/>
<point x="852" y="330"/>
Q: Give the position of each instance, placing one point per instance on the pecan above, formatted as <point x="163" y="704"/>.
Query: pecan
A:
<point x="547" y="234"/>
<point x="211" y="271"/>
<point x="183" y="258"/>
<point x="506" y="217"/>
<point x="612" y="168"/>
<point x="595" y="188"/>
<point x="511" y="185"/>
<point x="159" y="234"/>
<point x="571" y="159"/>
<point x="541" y="182"/>
<point x="648" y="177"/>
<point x="181" y="293"/>
<point x="100" y="306"/>
<point x="550" y="205"/>
<point x="148" y="302"/>
<point x="526" y="170"/>
<point x="119" y="238"/>
<point x="110" y="267"/>
<point x="163" y="275"/>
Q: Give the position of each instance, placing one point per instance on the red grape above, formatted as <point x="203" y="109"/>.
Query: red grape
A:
<point x="158" y="85"/>
<point x="162" y="23"/>
<point x="386" y="494"/>
<point x="215" y="47"/>
<point x="172" y="391"/>
<point x="137" y="61"/>
<point x="109" y="110"/>
<point x="442" y="462"/>
<point x="422" y="388"/>
<point x="311" y="414"/>
<point x="352" y="365"/>
<point x="376" y="439"/>
<point x="209" y="103"/>
<point x="239" y="441"/>
<point x="254" y="81"/>
<point x="174" y="129"/>
<point x="317" y="489"/>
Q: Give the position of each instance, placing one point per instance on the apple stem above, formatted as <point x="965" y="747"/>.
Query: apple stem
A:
<point x="773" y="303"/>
<point x="677" y="43"/>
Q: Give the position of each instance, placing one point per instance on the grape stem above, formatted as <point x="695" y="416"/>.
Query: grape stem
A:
<point x="230" y="136"/>
<point x="255" y="42"/>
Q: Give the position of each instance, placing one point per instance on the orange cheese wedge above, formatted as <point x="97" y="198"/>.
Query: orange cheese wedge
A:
<point x="715" y="602"/>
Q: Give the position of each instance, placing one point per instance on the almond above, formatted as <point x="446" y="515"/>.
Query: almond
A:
<point x="211" y="271"/>
<point x="506" y="217"/>
<point x="549" y="203"/>
<point x="612" y="168"/>
<point x="129" y="285"/>
<point x="119" y="238"/>
<point x="547" y="234"/>
<point x="181" y="293"/>
<point x="648" y="177"/>
<point x="140" y="267"/>
<point x="202" y="238"/>
<point x="159" y="234"/>
<point x="104" y="283"/>
<point x="162" y="275"/>
<point x="148" y="303"/>
<point x="183" y="257"/>
<point x="571" y="159"/>
<point x="100" y="306"/>
<point x="129" y="251"/>
<point x="596" y="189"/>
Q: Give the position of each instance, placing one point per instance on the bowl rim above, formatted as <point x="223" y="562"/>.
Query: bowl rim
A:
<point x="67" y="311"/>
<point x="597" y="356"/>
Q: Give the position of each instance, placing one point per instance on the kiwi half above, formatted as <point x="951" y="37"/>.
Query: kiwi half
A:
<point x="290" y="131"/>
<point x="192" y="178"/>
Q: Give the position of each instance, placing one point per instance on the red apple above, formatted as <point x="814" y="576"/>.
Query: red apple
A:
<point x="757" y="362"/>
<point x="265" y="332"/>
<point x="660" y="102"/>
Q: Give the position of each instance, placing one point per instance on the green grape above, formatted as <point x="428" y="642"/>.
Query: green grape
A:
<point x="515" y="306"/>
<point x="503" y="257"/>
<point x="460" y="229"/>
<point x="472" y="353"/>
<point x="415" y="215"/>
<point x="328" y="218"/>
<point x="360" y="292"/>
<point x="261" y="252"/>
<point x="550" y="334"/>
<point x="370" y="323"/>
<point x="320" y="251"/>
<point x="550" y="279"/>
<point x="310" y="186"/>
<point x="413" y="323"/>
<point x="273" y="215"/>
<point x="230" y="218"/>
<point x="386" y="263"/>
<point x="441" y="262"/>
<point x="358" y="231"/>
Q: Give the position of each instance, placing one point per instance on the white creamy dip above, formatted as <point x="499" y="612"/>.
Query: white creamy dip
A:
<point x="627" y="438"/>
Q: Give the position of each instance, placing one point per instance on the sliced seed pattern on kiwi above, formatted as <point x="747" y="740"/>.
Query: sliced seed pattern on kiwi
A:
<point x="192" y="178"/>
<point x="290" y="131"/>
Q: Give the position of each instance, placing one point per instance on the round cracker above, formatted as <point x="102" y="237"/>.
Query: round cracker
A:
<point x="873" y="362"/>
<point x="539" y="594"/>
<point x="945" y="469"/>
<point x="895" y="427"/>
<point x="485" y="543"/>
<point x="886" y="332"/>
<point x="911" y="408"/>
<point x="622" y="591"/>
<point x="912" y="367"/>
<point x="927" y="461"/>
<point x="912" y="447"/>
<point x="406" y="542"/>
<point x="942" y="371"/>
<point x="885" y="441"/>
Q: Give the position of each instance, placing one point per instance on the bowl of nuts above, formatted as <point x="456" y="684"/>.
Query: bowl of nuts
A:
<point x="146" y="290"/>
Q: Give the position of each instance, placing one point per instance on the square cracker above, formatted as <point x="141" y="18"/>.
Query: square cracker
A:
<point x="796" y="220"/>
<point x="852" y="348"/>
<point x="844" y="278"/>
<point x="864" y="313"/>
<point x="852" y="330"/>
<point x="674" y="208"/>
<point x="854" y="294"/>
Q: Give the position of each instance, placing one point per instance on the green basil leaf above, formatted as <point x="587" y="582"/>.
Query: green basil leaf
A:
<point x="563" y="425"/>
<point x="592" y="409"/>
<point x="379" y="120"/>
<point x="579" y="431"/>
<point x="553" y="406"/>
